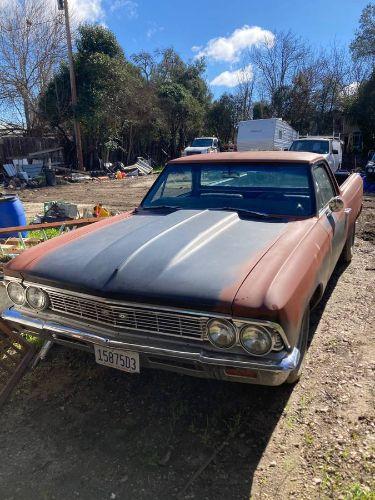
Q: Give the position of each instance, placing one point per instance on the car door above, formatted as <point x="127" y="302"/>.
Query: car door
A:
<point x="333" y="222"/>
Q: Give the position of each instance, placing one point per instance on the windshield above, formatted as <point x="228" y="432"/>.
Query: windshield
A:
<point x="201" y="143"/>
<point x="310" y="146"/>
<point x="268" y="189"/>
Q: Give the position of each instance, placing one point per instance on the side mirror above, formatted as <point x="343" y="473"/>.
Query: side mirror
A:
<point x="336" y="204"/>
<point x="335" y="151"/>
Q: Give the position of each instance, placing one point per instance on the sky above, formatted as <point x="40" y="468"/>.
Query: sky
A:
<point x="221" y="30"/>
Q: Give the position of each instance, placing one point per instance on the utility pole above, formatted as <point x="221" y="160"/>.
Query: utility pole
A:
<point x="63" y="5"/>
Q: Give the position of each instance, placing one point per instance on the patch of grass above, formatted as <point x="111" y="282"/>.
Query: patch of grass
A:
<point x="32" y="339"/>
<point x="290" y="421"/>
<point x="358" y="492"/>
<point x="309" y="439"/>
<point x="40" y="234"/>
<point x="234" y="423"/>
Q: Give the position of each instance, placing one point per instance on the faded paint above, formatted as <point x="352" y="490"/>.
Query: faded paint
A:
<point x="251" y="157"/>
<point x="181" y="259"/>
<point x="204" y="259"/>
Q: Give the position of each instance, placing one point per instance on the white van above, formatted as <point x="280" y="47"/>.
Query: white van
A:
<point x="328" y="147"/>
<point x="266" y="134"/>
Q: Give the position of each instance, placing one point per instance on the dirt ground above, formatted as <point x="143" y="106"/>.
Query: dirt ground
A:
<point x="74" y="429"/>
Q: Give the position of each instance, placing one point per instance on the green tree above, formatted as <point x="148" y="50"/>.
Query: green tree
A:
<point x="221" y="118"/>
<point x="108" y="89"/>
<point x="183" y="98"/>
<point x="362" y="111"/>
<point x="363" y="45"/>
<point x="261" y="109"/>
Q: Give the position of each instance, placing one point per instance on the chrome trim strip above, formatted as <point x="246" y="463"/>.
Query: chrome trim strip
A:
<point x="238" y="322"/>
<point x="121" y="303"/>
<point x="285" y="364"/>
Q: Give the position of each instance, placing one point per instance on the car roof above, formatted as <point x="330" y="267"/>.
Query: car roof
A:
<point x="250" y="157"/>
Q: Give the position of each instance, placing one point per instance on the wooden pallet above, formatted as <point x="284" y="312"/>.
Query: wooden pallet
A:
<point x="16" y="356"/>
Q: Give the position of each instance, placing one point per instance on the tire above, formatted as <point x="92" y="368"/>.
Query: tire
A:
<point x="295" y="375"/>
<point x="347" y="252"/>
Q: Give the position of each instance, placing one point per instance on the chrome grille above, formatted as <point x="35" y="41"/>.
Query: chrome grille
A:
<point x="278" y="344"/>
<point x="128" y="317"/>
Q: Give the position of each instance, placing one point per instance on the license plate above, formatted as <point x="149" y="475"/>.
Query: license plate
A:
<point x="126" y="361"/>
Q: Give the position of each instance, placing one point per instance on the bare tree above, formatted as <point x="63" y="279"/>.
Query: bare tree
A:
<point x="244" y="92"/>
<point x="145" y="62"/>
<point x="334" y="76"/>
<point x="31" y="46"/>
<point x="277" y="64"/>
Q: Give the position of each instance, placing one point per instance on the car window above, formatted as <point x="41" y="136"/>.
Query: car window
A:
<point x="202" y="143"/>
<point x="280" y="189"/>
<point x="311" y="146"/>
<point x="323" y="185"/>
<point x="177" y="183"/>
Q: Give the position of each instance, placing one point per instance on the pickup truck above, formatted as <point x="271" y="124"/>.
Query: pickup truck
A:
<point x="329" y="147"/>
<point x="202" y="145"/>
<point x="213" y="275"/>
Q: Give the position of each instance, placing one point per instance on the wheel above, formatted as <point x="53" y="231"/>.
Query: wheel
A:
<point x="347" y="252"/>
<point x="295" y="375"/>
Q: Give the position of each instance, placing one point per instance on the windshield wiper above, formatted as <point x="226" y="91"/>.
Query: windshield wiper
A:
<point x="159" y="207"/>
<point x="251" y="213"/>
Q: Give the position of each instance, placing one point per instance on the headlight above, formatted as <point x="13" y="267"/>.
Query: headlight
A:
<point x="221" y="333"/>
<point x="16" y="293"/>
<point x="256" y="340"/>
<point x="37" y="298"/>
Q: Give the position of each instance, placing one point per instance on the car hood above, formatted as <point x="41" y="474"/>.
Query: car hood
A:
<point x="188" y="258"/>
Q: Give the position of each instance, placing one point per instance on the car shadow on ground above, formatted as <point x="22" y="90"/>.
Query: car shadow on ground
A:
<point x="318" y="311"/>
<point x="95" y="432"/>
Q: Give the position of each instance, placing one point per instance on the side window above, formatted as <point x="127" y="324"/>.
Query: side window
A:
<point x="324" y="187"/>
<point x="177" y="183"/>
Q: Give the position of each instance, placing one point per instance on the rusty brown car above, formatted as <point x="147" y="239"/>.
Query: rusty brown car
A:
<point x="213" y="275"/>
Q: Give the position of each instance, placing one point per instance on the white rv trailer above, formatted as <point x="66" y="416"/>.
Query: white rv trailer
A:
<point x="265" y="135"/>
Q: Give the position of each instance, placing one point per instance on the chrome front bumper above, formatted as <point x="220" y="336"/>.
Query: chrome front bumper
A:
<point x="185" y="357"/>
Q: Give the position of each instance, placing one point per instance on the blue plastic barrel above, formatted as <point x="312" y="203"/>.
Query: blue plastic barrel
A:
<point x="12" y="214"/>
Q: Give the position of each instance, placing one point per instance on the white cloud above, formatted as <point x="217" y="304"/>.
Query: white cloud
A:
<point x="153" y="29"/>
<point x="87" y="10"/>
<point x="229" y="48"/>
<point x="127" y="7"/>
<point x="233" y="78"/>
